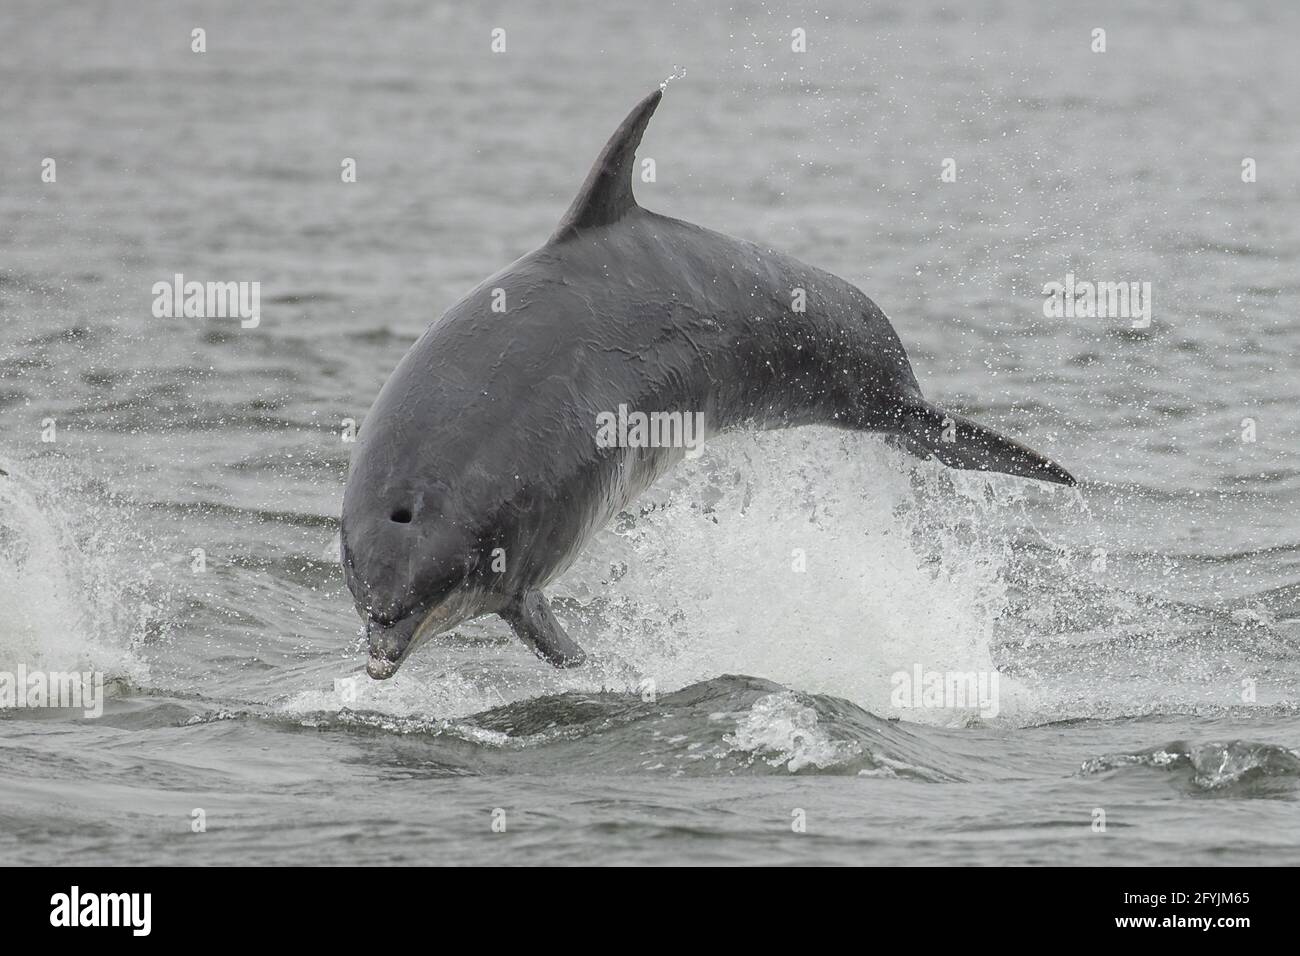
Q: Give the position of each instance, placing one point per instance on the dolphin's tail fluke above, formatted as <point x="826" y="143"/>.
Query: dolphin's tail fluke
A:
<point x="961" y="443"/>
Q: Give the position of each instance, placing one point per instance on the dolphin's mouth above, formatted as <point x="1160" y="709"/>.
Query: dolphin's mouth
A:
<point x="390" y="644"/>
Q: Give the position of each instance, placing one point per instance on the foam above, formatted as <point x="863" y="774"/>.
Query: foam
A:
<point x="903" y="564"/>
<point x="63" y="608"/>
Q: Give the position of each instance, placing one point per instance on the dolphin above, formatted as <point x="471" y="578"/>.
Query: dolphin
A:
<point x="480" y="473"/>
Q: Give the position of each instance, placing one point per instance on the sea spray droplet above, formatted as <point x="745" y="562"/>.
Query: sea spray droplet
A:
<point x="678" y="73"/>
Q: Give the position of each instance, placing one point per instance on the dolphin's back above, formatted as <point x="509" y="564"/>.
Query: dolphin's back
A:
<point x="752" y="336"/>
<point x="650" y="313"/>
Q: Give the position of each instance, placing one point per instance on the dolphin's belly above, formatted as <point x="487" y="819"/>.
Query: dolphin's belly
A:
<point x="613" y="487"/>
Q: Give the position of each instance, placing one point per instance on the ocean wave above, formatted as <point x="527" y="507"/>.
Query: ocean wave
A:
<point x="730" y="725"/>
<point x="1237" y="767"/>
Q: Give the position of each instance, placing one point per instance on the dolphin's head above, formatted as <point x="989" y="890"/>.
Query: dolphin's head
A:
<point x="412" y="573"/>
<point x="412" y="554"/>
<point x="444" y="475"/>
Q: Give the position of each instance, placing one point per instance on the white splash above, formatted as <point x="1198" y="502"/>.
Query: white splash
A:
<point x="782" y="730"/>
<point x="63" y="607"/>
<point x="819" y="559"/>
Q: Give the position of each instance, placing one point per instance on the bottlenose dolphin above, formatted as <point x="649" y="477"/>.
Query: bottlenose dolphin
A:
<point x="478" y="475"/>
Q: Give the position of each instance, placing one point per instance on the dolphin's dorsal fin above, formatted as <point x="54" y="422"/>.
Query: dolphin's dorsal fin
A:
<point x="606" y="196"/>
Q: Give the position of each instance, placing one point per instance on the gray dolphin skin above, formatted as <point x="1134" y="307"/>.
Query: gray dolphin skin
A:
<point x="478" y="477"/>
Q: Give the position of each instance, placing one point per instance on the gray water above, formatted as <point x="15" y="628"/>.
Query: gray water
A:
<point x="1143" y="627"/>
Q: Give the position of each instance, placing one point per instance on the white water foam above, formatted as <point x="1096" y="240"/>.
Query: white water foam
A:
<point x="820" y="559"/>
<point x="823" y="560"/>
<point x="781" y="730"/>
<point x="63" y="606"/>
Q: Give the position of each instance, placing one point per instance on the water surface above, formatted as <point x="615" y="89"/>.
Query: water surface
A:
<point x="1144" y="627"/>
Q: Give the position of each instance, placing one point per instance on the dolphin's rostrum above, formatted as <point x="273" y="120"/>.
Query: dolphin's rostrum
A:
<point x="477" y="477"/>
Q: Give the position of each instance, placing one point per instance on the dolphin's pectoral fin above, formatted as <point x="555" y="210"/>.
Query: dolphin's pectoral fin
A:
<point x="961" y="443"/>
<point x="532" y="620"/>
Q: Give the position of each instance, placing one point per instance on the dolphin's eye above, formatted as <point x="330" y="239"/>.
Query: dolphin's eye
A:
<point x="402" y="515"/>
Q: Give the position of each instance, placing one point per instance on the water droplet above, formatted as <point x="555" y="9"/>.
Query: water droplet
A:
<point x="678" y="73"/>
